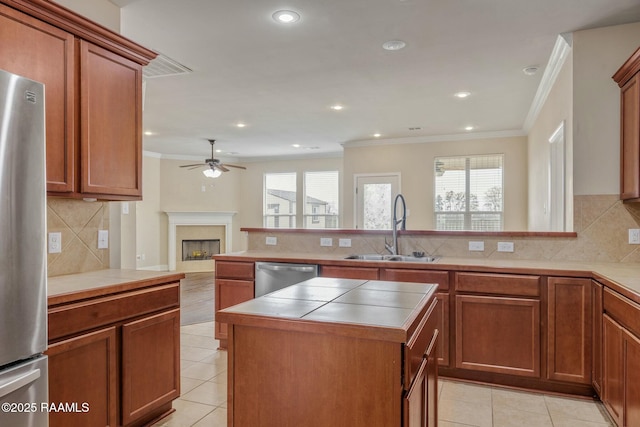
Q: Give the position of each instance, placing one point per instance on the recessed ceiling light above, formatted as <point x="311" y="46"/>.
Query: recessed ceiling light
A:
<point x="218" y="151"/>
<point x="531" y="70"/>
<point x="286" y="16"/>
<point x="337" y="107"/>
<point x="393" y="45"/>
<point x="295" y="145"/>
<point x="468" y="128"/>
<point x="461" y="94"/>
<point x="148" y="133"/>
<point x="240" y="125"/>
<point x="377" y="135"/>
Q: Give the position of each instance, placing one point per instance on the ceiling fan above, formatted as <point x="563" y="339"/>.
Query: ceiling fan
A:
<point x="214" y="167"/>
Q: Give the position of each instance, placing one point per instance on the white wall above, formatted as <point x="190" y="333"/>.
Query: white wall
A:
<point x="557" y="108"/>
<point x="597" y="55"/>
<point x="415" y="164"/>
<point x="151" y="236"/>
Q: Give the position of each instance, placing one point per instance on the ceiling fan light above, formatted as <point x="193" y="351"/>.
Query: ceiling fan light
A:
<point x="212" y="173"/>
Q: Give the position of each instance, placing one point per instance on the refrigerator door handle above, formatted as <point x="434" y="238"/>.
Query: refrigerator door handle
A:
<point x="16" y="383"/>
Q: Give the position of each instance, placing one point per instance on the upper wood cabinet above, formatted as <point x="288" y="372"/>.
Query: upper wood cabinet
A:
<point x="44" y="53"/>
<point x="93" y="87"/>
<point x="628" y="78"/>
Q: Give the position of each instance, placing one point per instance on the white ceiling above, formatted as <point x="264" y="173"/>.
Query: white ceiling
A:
<point x="282" y="79"/>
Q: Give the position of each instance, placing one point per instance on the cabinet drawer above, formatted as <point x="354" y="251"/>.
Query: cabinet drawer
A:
<point x="235" y="270"/>
<point x="83" y="316"/>
<point x="498" y="284"/>
<point x="369" y="273"/>
<point x="419" y="343"/>
<point x="441" y="278"/>
<point x="623" y="310"/>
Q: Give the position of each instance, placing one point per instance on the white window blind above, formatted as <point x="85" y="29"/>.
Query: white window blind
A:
<point x="321" y="192"/>
<point x="279" y="198"/>
<point x="469" y="192"/>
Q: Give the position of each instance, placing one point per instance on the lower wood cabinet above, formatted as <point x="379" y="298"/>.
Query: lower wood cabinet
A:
<point x="84" y="369"/>
<point x="118" y="353"/>
<point x="234" y="284"/>
<point x="420" y="405"/>
<point x="621" y="359"/>
<point x="569" y="329"/>
<point x="596" y="327"/>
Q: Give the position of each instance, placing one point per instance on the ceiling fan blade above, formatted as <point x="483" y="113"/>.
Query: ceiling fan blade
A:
<point x="193" y="165"/>
<point x="196" y="167"/>
<point x="221" y="167"/>
<point x="234" y="166"/>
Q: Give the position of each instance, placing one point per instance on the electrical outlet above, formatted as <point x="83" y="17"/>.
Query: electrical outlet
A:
<point x="476" y="246"/>
<point x="326" y="241"/>
<point x="125" y="208"/>
<point x="634" y="236"/>
<point x="505" y="246"/>
<point x="103" y="239"/>
<point x="55" y="243"/>
<point x="344" y="243"/>
<point x="271" y="240"/>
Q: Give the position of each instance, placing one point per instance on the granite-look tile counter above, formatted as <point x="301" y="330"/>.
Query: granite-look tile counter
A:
<point x="73" y="287"/>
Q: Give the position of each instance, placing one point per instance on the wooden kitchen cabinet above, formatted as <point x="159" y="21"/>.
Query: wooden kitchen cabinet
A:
<point x="341" y="272"/>
<point x="44" y="53"/>
<point x="234" y="284"/>
<point x="111" y="124"/>
<point x="84" y="369"/>
<point x="628" y="78"/>
<point x="441" y="278"/>
<point x="150" y="379"/>
<point x="118" y="352"/>
<point x="420" y="404"/>
<point x="569" y="333"/>
<point x="93" y="89"/>
<point x="499" y="330"/>
<point x="621" y="359"/>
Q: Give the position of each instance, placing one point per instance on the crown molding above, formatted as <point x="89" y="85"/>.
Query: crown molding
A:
<point x="561" y="49"/>
<point x="435" y="138"/>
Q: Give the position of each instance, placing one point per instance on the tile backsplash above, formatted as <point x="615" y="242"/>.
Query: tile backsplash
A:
<point x="78" y="222"/>
<point x="601" y="222"/>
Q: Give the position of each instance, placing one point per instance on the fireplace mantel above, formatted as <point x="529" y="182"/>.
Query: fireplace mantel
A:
<point x="197" y="218"/>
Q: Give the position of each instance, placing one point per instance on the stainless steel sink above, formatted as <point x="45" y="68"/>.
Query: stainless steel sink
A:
<point x="397" y="258"/>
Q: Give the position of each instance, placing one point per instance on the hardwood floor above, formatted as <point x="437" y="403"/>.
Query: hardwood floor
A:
<point x="196" y="298"/>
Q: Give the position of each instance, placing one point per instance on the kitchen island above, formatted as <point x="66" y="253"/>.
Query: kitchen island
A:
<point x="336" y="352"/>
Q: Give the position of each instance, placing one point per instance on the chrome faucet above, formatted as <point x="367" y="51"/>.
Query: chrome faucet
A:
<point x="393" y="249"/>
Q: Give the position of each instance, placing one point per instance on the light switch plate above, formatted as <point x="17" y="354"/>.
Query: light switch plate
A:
<point x="271" y="240"/>
<point x="103" y="239"/>
<point x="476" y="246"/>
<point x="344" y="243"/>
<point x="326" y="241"/>
<point x="55" y="242"/>
<point x="634" y="236"/>
<point x="125" y="208"/>
<point x="505" y="246"/>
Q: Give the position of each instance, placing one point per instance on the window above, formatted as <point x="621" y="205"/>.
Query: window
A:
<point x="279" y="200"/>
<point x="320" y="206"/>
<point x="321" y="191"/>
<point x="468" y="193"/>
<point x="374" y="199"/>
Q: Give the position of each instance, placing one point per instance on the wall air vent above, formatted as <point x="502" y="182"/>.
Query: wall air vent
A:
<point x="163" y="66"/>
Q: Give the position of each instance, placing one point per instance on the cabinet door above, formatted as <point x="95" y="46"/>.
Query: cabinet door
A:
<point x="630" y="139"/>
<point x="596" y="363"/>
<point x="41" y="52"/>
<point x="632" y="381"/>
<point x="569" y="333"/>
<point x="150" y="364"/>
<point x="442" y="315"/>
<point x="228" y="293"/>
<point x="111" y="124"/>
<point x="415" y="402"/>
<point x="84" y="369"/>
<point x="613" y="369"/>
<point x="498" y="334"/>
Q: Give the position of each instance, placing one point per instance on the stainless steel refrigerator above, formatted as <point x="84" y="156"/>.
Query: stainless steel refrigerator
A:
<point x="23" y="262"/>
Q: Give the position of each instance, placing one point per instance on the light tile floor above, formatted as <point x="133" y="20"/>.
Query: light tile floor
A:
<point x="204" y="396"/>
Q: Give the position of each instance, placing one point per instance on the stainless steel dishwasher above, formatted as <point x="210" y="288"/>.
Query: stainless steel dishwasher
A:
<point x="271" y="276"/>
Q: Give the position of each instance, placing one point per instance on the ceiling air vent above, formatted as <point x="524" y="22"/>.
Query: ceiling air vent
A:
<point x="163" y="66"/>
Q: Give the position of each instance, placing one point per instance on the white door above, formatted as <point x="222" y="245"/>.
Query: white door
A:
<point x="374" y="200"/>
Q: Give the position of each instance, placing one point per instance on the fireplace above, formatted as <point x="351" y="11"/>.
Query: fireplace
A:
<point x="197" y="226"/>
<point x="199" y="249"/>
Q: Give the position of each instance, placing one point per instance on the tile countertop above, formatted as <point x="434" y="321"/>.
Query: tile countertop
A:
<point x="343" y="306"/>
<point x="63" y="289"/>
<point x="622" y="277"/>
